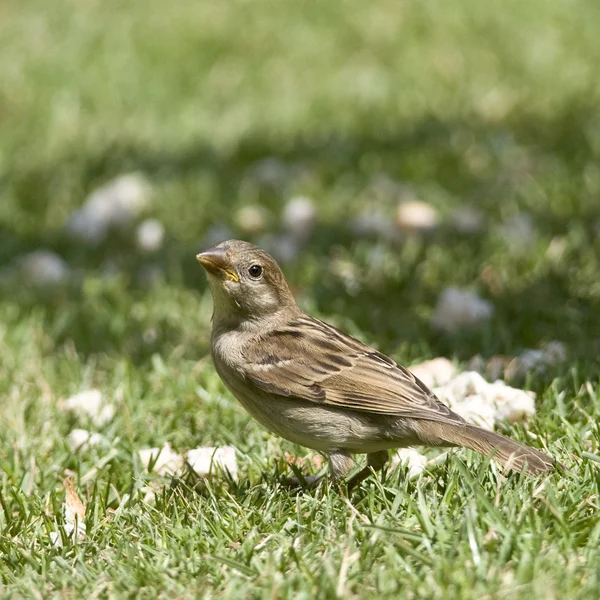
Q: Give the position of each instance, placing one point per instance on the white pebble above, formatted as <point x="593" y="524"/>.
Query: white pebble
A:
<point x="299" y="216"/>
<point x="80" y="439"/>
<point x="372" y="223"/>
<point x="115" y="205"/>
<point x="537" y="361"/>
<point x="473" y="409"/>
<point x="519" y="232"/>
<point x="43" y="268"/>
<point x="87" y="228"/>
<point x="270" y="172"/>
<point x="412" y="458"/>
<point x="348" y="272"/>
<point x="468" y="220"/>
<point x="511" y="404"/>
<point x="437" y="371"/>
<point x="557" y="248"/>
<point x="483" y="403"/>
<point x="165" y="461"/>
<point x="416" y="215"/>
<point x="555" y="352"/>
<point x="496" y="367"/>
<point x="251" y="219"/>
<point x="91" y="404"/>
<point x="150" y="235"/>
<point x="456" y="308"/>
<point x="204" y="461"/>
<point x="151" y="490"/>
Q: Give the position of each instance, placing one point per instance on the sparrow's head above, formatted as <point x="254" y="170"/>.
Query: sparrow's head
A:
<point x="245" y="281"/>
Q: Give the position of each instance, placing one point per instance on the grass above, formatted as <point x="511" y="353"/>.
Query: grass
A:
<point x="481" y="104"/>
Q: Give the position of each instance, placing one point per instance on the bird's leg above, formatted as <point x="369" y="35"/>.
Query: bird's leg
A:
<point x="375" y="462"/>
<point x="305" y="481"/>
<point x="340" y="464"/>
<point x="300" y="480"/>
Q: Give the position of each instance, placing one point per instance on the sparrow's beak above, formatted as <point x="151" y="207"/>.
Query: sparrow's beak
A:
<point x="215" y="261"/>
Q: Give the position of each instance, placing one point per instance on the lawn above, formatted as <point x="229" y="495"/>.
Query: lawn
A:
<point x="224" y="106"/>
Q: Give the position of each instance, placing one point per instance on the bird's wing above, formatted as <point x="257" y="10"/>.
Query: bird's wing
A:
<point x="311" y="360"/>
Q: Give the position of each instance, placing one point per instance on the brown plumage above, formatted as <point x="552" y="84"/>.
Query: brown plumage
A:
<point x="317" y="386"/>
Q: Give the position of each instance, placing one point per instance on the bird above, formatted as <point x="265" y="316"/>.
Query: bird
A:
<point x="316" y="386"/>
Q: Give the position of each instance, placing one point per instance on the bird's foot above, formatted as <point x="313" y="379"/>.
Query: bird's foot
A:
<point x="307" y="482"/>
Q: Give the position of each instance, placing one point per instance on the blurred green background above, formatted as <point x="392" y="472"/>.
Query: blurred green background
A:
<point x="220" y="114"/>
<point x="222" y="106"/>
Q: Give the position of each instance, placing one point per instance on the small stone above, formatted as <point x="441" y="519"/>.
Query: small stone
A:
<point x="91" y="404"/>
<point x="270" y="172"/>
<point x="150" y="235"/>
<point x="468" y="220"/>
<point x="165" y="461"/>
<point x="372" y="223"/>
<point x="557" y="248"/>
<point x="43" y="268"/>
<point x="81" y="439"/>
<point x="456" y="308"/>
<point x="493" y="368"/>
<point x="205" y="461"/>
<point x="115" y="205"/>
<point x="466" y="395"/>
<point x="412" y="458"/>
<point x="519" y="232"/>
<point x="346" y="270"/>
<point x="251" y="219"/>
<point x="416" y="216"/>
<point x="555" y="352"/>
<point x="150" y="336"/>
<point x="88" y="402"/>
<point x="477" y="363"/>
<point x="483" y="403"/>
<point x="299" y="216"/>
<point x="476" y="411"/>
<point x="437" y="371"/>
<point x="511" y="404"/>
<point x="496" y="367"/>
<point x="537" y="362"/>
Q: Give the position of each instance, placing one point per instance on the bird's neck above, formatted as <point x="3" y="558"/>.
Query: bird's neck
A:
<point x="232" y="321"/>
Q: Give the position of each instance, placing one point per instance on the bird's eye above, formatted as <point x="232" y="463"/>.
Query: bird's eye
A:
<point x="255" y="271"/>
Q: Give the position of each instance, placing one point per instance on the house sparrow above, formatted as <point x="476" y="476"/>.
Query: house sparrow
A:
<point x="316" y="386"/>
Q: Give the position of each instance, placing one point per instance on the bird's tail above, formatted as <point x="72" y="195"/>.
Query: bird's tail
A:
<point x="507" y="452"/>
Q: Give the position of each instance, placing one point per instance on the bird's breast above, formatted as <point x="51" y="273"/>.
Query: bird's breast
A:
<point x="309" y="424"/>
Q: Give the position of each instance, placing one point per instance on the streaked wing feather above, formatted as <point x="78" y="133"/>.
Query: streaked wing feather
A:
<point x="329" y="367"/>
